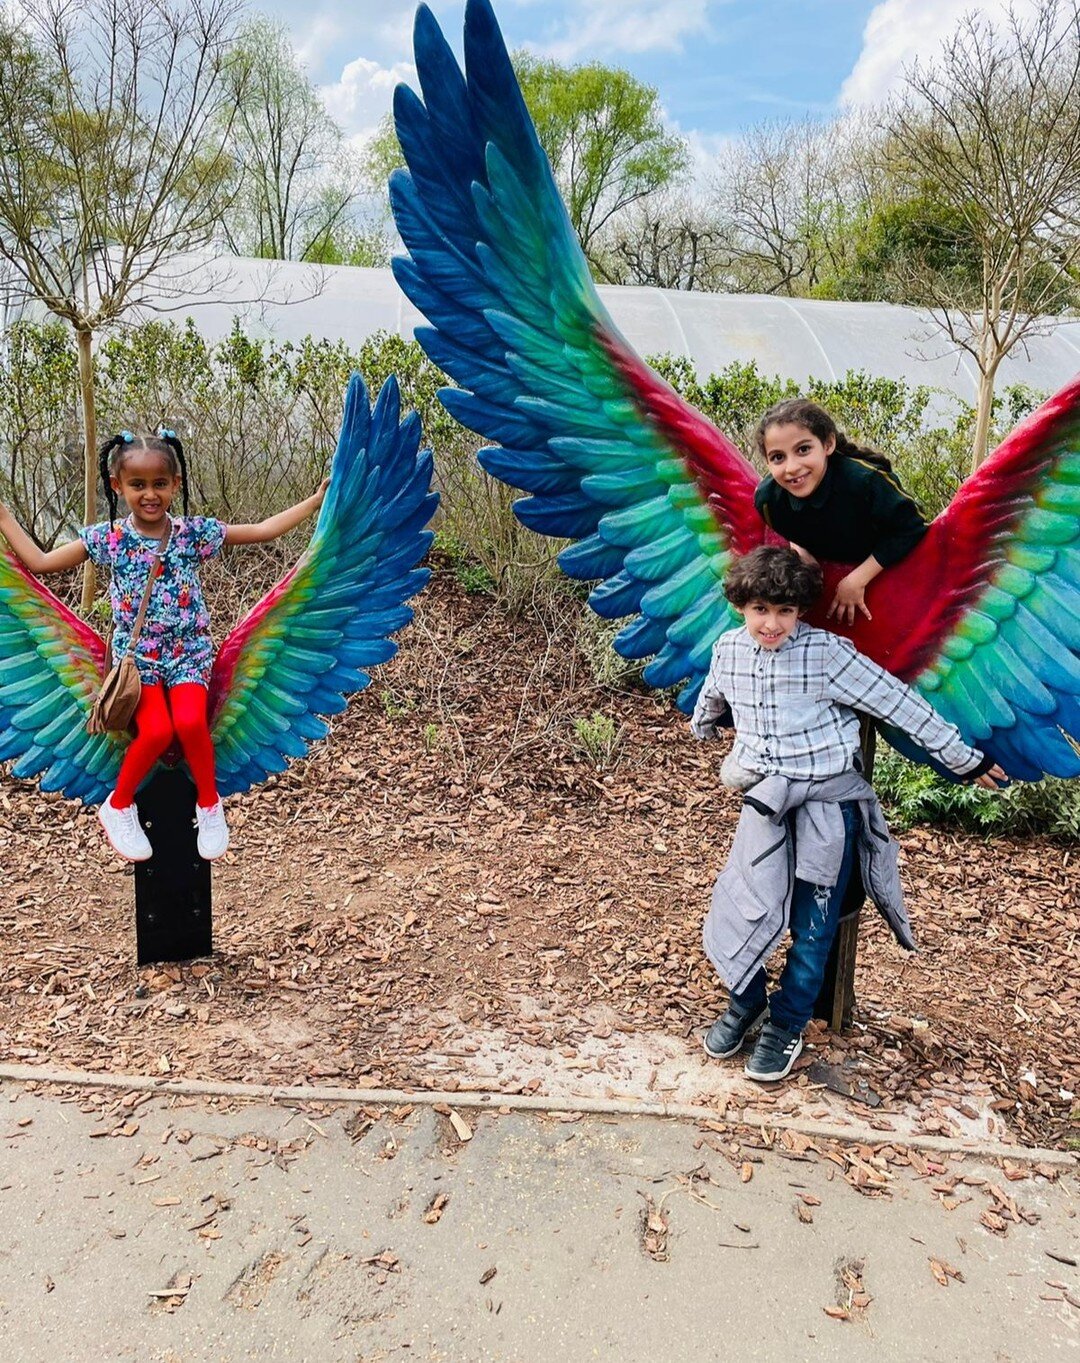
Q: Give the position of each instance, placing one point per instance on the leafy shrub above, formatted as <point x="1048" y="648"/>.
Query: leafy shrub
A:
<point x="596" y="639"/>
<point x="598" y="738"/>
<point x="474" y="578"/>
<point x="915" y="794"/>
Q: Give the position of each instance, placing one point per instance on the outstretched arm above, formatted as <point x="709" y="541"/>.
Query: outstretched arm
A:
<point x="276" y="526"/>
<point x="862" y="684"/>
<point x="39" y="560"/>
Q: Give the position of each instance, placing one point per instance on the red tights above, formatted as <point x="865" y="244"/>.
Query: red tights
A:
<point x="162" y="716"/>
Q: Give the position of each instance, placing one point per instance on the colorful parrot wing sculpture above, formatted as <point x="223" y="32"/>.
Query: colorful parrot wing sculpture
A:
<point x="981" y="618"/>
<point x="992" y="638"/>
<point x="51" y="669"/>
<point x="655" y="498"/>
<point x="298" y="653"/>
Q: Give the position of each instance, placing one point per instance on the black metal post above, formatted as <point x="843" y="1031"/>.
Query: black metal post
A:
<point x="173" y="915"/>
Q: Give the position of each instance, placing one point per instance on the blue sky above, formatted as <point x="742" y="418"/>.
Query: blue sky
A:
<point x="718" y="65"/>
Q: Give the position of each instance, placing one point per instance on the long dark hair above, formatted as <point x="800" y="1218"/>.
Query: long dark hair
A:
<point x="112" y="454"/>
<point x="803" y="412"/>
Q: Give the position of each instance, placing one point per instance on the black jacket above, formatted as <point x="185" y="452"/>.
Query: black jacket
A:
<point x="857" y="510"/>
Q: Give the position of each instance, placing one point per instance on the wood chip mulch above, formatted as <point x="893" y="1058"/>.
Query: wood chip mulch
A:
<point x="449" y="861"/>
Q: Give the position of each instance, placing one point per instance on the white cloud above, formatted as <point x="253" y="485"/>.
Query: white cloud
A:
<point x="313" y="43"/>
<point x="363" y="93"/>
<point x="899" y="31"/>
<point x="605" y="26"/>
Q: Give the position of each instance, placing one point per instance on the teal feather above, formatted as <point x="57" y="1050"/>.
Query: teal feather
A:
<point x="298" y="653"/>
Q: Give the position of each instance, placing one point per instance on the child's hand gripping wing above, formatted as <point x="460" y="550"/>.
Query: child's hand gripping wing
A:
<point x="656" y="498"/>
<point x="51" y="669"/>
<point x="301" y="650"/>
<point x="984" y="616"/>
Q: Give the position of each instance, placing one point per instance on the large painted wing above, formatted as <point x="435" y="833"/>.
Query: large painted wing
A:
<point x="51" y="668"/>
<point x="299" y="652"/>
<point x="983" y="618"/>
<point x="655" y="498"/>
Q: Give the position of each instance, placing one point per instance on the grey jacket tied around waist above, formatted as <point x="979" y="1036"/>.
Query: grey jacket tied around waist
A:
<point x="751" y="899"/>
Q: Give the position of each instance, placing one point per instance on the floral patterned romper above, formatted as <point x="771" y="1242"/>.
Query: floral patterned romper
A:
<point x="175" y="645"/>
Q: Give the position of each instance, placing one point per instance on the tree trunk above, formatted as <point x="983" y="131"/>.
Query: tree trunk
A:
<point x="84" y="340"/>
<point x="983" y="412"/>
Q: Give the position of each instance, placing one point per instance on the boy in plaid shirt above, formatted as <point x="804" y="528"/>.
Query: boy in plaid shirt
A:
<point x="792" y="692"/>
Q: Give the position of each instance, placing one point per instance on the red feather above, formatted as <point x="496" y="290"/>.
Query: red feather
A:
<point x="231" y="650"/>
<point x="725" y="476"/>
<point x="918" y="604"/>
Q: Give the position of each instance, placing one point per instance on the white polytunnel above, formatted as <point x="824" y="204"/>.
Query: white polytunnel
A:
<point x="794" y="338"/>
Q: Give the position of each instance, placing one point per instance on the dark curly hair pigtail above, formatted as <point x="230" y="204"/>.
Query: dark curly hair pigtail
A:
<point x="107" y="466"/>
<point x="173" y="441"/>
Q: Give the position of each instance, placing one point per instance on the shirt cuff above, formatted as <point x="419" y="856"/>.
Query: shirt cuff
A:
<point x="983" y="767"/>
<point x="707" y="725"/>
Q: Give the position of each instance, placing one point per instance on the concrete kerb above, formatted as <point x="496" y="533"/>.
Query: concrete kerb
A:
<point x="855" y="1134"/>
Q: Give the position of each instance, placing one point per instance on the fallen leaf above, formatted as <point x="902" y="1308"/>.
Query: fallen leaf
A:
<point x="943" y="1272"/>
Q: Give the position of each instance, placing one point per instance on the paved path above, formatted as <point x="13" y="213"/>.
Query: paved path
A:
<point x="216" y="1232"/>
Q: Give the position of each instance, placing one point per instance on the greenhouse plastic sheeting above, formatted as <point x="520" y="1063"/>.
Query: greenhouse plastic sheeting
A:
<point x="794" y="338"/>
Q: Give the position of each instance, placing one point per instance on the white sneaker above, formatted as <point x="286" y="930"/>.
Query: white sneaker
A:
<point x="124" y="831"/>
<point x="213" y="832"/>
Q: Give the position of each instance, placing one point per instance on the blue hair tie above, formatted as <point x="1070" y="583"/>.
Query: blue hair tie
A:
<point x="126" y="437"/>
<point x="165" y="434"/>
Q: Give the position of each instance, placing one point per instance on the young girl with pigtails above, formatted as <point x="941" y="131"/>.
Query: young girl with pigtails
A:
<point x="173" y="652"/>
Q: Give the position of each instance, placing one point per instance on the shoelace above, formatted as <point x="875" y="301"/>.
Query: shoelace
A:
<point x="129" y="817"/>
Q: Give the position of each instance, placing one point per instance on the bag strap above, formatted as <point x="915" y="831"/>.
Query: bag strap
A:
<point x="155" y="568"/>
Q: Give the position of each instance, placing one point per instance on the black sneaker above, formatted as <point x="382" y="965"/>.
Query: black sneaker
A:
<point x="775" y="1053"/>
<point x="728" y="1033"/>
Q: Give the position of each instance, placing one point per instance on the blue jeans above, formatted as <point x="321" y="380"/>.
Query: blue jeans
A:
<point x="815" y="916"/>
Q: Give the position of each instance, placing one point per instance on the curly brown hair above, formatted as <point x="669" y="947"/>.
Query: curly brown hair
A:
<point x="774" y="575"/>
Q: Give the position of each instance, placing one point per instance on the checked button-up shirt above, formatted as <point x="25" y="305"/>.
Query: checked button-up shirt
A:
<point x="794" y="706"/>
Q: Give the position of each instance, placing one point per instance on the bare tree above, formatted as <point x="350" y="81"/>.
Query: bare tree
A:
<point x="299" y="178"/>
<point x="787" y="197"/>
<point x="116" y="116"/>
<point x="991" y="130"/>
<point x="667" y="241"/>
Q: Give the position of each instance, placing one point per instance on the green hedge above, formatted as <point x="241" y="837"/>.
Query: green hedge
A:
<point x="915" y="794"/>
<point x="260" y="420"/>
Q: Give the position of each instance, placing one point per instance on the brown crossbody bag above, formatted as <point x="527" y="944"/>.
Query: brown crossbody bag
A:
<point x="118" y="699"/>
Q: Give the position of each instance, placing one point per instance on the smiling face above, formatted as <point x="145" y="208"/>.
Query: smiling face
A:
<point x="768" y="624"/>
<point x="796" y="458"/>
<point x="147" y="483"/>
